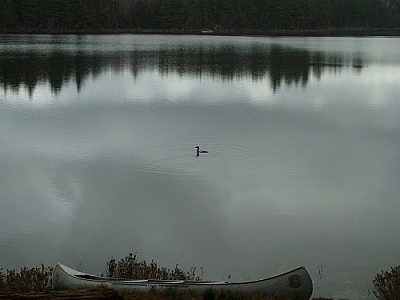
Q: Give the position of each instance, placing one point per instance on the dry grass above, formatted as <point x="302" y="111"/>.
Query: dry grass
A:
<point x="27" y="280"/>
<point x="129" y="267"/>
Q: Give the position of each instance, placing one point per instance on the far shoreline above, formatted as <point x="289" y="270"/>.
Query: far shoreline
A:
<point x="330" y="32"/>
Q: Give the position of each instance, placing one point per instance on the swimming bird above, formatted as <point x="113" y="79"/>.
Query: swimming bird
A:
<point x="198" y="151"/>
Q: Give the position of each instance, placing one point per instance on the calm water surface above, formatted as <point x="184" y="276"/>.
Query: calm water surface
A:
<point x="97" y="157"/>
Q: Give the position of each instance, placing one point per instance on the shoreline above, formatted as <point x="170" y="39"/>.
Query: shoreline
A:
<point x="111" y="294"/>
<point x="330" y="32"/>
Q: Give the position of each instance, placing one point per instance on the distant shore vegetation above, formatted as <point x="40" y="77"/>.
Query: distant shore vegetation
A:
<point x="207" y="16"/>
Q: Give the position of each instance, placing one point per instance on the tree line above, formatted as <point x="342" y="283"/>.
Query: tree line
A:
<point x="198" y="14"/>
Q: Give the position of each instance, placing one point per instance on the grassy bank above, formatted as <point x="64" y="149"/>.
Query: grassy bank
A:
<point x="37" y="282"/>
<point x="168" y="294"/>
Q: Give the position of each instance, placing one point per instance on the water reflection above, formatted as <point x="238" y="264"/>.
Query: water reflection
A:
<point x="294" y="176"/>
<point x="279" y="64"/>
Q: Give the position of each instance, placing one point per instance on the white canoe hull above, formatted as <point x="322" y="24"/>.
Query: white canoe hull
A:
<point x="293" y="283"/>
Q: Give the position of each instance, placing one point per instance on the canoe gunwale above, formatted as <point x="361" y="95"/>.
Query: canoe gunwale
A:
<point x="90" y="277"/>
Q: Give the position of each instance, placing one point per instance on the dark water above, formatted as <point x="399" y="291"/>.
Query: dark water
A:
<point x="97" y="157"/>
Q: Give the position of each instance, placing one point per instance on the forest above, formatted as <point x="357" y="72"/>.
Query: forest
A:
<point x="215" y="15"/>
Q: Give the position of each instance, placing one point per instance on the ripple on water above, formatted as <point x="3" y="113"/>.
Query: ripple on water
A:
<point x="168" y="159"/>
<point x="284" y="155"/>
<point x="178" y="159"/>
<point x="316" y="159"/>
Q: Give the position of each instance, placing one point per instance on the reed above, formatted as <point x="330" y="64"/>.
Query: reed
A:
<point x="37" y="279"/>
<point x="40" y="279"/>
<point x="130" y="267"/>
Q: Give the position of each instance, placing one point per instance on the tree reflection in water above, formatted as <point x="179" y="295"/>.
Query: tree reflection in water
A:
<point x="279" y="64"/>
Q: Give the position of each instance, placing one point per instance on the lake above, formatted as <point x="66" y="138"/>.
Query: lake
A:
<point x="98" y="158"/>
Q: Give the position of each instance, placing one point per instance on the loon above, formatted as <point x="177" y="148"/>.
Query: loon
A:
<point x="198" y="151"/>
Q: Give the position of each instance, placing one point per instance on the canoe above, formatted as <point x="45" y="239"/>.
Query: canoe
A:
<point x="296" y="282"/>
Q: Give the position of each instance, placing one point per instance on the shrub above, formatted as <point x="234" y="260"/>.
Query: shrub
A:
<point x="2" y="280"/>
<point x="26" y="280"/>
<point x="130" y="267"/>
<point x="387" y="284"/>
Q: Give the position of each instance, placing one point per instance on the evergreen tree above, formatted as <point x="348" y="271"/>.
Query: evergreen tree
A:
<point x="166" y="18"/>
<point x="209" y="13"/>
<point x="193" y="14"/>
<point x="197" y="14"/>
<point x="8" y="16"/>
